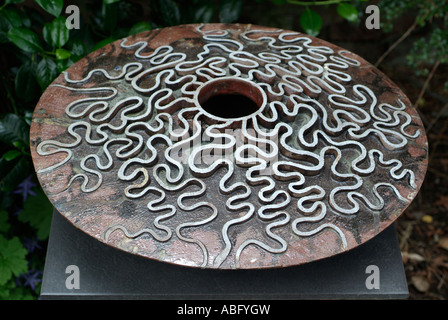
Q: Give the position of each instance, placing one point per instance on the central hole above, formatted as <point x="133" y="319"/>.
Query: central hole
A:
<point x="230" y="106"/>
<point x="230" y="98"/>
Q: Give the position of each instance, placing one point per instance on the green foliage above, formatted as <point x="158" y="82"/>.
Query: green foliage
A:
<point x="140" y="27"/>
<point x="13" y="130"/>
<point x="229" y="11"/>
<point x="55" y="33"/>
<point x="35" y="212"/>
<point x="4" y="224"/>
<point x="46" y="71"/>
<point x="431" y="49"/>
<point x="14" y="165"/>
<point x="10" y="291"/>
<point x="311" y="22"/>
<point x="12" y="259"/>
<point x="25" y="39"/>
<point x="53" y="7"/>
<point x="347" y="11"/>
<point x="169" y="11"/>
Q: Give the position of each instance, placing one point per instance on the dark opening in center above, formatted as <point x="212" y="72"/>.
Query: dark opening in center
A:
<point x="230" y="98"/>
<point x="230" y="106"/>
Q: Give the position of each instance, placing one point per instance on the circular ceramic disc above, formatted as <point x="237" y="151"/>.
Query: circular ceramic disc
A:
<point x="145" y="145"/>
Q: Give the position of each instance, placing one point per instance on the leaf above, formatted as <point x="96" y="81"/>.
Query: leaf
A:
<point x="311" y="22"/>
<point x="13" y="173"/>
<point x="443" y="242"/>
<point x="427" y="218"/>
<point x="12" y="15"/>
<point x="4" y="224"/>
<point x="25" y="39"/>
<point x="140" y="27"/>
<point x="103" y="42"/>
<point x="110" y="1"/>
<point x="230" y="11"/>
<point x="46" y="72"/>
<point x="25" y="20"/>
<point x="203" y="14"/>
<point x="347" y="11"/>
<point x="56" y="33"/>
<point x="110" y="16"/>
<point x="78" y="48"/>
<point x="19" y="144"/>
<point x="62" y="54"/>
<point x="53" y="7"/>
<point x="168" y="12"/>
<point x="10" y="291"/>
<point x="11" y="155"/>
<point x="12" y="129"/>
<point x="38" y="211"/>
<point x="4" y="28"/>
<point x="420" y="283"/>
<point x="28" y="117"/>
<point x="26" y="85"/>
<point x="63" y="64"/>
<point x="13" y="1"/>
<point x="412" y="256"/>
<point x="12" y="258"/>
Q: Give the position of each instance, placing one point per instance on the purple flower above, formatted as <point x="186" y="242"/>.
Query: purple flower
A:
<point x="25" y="188"/>
<point x="32" y="278"/>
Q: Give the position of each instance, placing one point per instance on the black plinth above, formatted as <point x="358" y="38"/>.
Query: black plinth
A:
<point x="108" y="273"/>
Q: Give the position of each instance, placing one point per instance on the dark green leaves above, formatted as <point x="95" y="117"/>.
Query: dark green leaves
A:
<point x="53" y="7"/>
<point x="46" y="72"/>
<point x="25" y="39"/>
<point x="25" y="83"/>
<point x="12" y="16"/>
<point x="230" y="10"/>
<point x="110" y="16"/>
<point x="13" y="1"/>
<point x="13" y="172"/>
<point x="311" y="22"/>
<point x="103" y="42"/>
<point x="13" y="129"/>
<point x="140" y="27"/>
<point x="12" y="258"/>
<point x="56" y="33"/>
<point x="77" y="49"/>
<point x="14" y="166"/>
<point x="62" y="54"/>
<point x="11" y="155"/>
<point x="37" y="211"/>
<point x="4" y="224"/>
<point x="203" y="13"/>
<point x="168" y="12"/>
<point x="347" y="11"/>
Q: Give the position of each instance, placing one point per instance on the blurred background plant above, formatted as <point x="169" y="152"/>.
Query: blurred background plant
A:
<point x="411" y="47"/>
